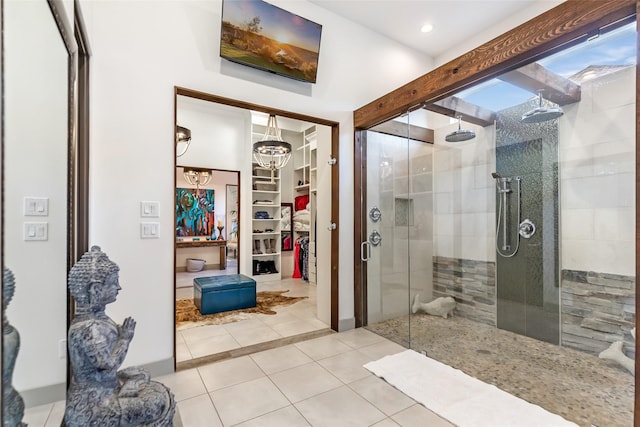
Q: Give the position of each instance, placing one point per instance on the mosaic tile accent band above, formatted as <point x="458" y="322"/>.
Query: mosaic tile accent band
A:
<point x="597" y="309"/>
<point x="471" y="283"/>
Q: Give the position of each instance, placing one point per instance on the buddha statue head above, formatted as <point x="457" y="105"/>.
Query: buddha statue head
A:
<point x="92" y="277"/>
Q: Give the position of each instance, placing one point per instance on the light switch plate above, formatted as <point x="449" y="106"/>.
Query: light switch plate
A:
<point x="150" y="230"/>
<point x="150" y="209"/>
<point x="36" y="231"/>
<point x="36" y="206"/>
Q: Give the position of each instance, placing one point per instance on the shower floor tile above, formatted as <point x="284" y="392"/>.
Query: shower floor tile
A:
<point x="577" y="386"/>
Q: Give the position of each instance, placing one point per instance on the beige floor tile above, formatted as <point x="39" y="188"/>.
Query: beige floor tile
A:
<point x="243" y="325"/>
<point x="229" y="372"/>
<point x="57" y="414"/>
<point x="257" y="335"/>
<point x="387" y="422"/>
<point x="297" y="327"/>
<point x="184" y="384"/>
<point x="280" y="359"/>
<point x="184" y="292"/>
<point x="320" y="348"/>
<point x="347" y="366"/>
<point x="288" y="416"/>
<point x="212" y="345"/>
<point x="36" y="416"/>
<point x="357" y="338"/>
<point x="247" y="400"/>
<point x="383" y="396"/>
<point x="304" y="381"/>
<point x="281" y="317"/>
<point x="182" y="353"/>
<point x="380" y="349"/>
<point x="340" y="407"/>
<point x="418" y="416"/>
<point x="198" y="332"/>
<point x="198" y="412"/>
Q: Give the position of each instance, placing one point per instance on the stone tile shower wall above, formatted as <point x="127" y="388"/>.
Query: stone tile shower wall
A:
<point x="597" y="172"/>
<point x="471" y="283"/>
<point x="597" y="309"/>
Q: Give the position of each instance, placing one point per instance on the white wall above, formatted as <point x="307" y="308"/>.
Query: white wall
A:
<point x="140" y="51"/>
<point x="464" y="194"/>
<point x="597" y="171"/>
<point x="518" y="18"/>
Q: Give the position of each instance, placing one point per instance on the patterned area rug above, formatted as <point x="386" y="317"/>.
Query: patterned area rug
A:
<point x="187" y="313"/>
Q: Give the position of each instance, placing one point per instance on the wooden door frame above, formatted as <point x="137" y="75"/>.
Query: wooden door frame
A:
<point x="335" y="181"/>
<point x="565" y="25"/>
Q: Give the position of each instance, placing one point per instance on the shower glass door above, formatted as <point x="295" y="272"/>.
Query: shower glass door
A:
<point x="399" y="227"/>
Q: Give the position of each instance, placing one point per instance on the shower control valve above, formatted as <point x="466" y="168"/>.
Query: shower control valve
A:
<point x="527" y="228"/>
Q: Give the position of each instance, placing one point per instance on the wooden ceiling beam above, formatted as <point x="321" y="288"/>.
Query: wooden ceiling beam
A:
<point x="396" y="128"/>
<point x="535" y="77"/>
<point x="454" y="107"/>
<point x="558" y="28"/>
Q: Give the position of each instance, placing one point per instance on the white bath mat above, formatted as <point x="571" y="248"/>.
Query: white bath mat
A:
<point x="458" y="397"/>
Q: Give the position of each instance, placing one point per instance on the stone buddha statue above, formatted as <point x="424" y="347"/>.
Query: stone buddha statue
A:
<point x="13" y="403"/>
<point x="99" y="394"/>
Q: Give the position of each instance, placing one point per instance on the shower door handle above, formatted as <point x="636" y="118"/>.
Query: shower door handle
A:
<point x="362" y="245"/>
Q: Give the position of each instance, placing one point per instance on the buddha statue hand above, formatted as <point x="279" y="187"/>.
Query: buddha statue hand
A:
<point x="132" y="379"/>
<point x="127" y="329"/>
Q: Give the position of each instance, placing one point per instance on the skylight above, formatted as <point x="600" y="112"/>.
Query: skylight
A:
<point x="617" y="47"/>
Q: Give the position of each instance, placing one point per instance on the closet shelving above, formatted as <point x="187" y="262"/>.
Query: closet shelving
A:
<point x="265" y="231"/>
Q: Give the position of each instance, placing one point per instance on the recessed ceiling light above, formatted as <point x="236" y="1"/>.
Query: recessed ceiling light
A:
<point x="427" y="28"/>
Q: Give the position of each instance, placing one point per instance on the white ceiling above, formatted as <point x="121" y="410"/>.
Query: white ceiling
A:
<point x="454" y="21"/>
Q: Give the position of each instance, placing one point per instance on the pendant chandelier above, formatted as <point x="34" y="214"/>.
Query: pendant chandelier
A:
<point x="183" y="136"/>
<point x="197" y="177"/>
<point x="271" y="152"/>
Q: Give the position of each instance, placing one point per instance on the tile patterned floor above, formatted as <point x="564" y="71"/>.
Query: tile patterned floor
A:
<point x="318" y="382"/>
<point x="194" y="341"/>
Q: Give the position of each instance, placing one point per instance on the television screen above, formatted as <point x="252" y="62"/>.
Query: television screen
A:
<point x="263" y="36"/>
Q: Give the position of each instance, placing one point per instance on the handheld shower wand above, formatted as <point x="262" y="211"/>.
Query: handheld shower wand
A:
<point x="503" y="185"/>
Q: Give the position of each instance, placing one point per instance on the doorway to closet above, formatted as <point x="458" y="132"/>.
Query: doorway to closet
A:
<point x="222" y="133"/>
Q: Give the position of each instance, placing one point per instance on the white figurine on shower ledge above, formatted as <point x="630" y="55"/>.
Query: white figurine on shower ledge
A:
<point x="442" y="306"/>
<point x="614" y="352"/>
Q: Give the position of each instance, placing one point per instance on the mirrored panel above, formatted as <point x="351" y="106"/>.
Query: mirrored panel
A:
<point x="36" y="132"/>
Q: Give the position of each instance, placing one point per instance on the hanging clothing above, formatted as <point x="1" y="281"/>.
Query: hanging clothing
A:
<point x="303" y="256"/>
<point x="296" y="264"/>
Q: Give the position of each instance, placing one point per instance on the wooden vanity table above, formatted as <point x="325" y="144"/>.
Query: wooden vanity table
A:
<point x="222" y="244"/>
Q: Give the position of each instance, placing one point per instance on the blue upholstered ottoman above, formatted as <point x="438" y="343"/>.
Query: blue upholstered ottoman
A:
<point x="223" y="293"/>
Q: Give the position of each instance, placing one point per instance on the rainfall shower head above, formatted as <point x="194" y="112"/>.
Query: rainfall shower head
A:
<point x="460" y="134"/>
<point x="541" y="114"/>
<point x="495" y="175"/>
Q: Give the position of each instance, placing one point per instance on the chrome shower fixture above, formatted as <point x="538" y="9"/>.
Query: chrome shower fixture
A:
<point x="460" y="134"/>
<point x="541" y="114"/>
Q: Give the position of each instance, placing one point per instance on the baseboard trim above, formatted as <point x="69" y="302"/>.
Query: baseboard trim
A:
<point x="57" y="392"/>
<point x="44" y="395"/>
<point x="346" y="324"/>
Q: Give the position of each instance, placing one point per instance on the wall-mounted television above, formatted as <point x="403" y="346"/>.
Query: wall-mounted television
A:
<point x="266" y="37"/>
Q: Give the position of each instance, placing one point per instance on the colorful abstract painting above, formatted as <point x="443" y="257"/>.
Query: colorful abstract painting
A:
<point x="195" y="212"/>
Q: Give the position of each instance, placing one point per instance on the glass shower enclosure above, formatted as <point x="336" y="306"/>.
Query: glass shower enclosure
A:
<point x="519" y="205"/>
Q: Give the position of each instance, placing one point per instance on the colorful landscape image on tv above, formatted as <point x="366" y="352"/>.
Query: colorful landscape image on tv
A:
<point x="266" y="37"/>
